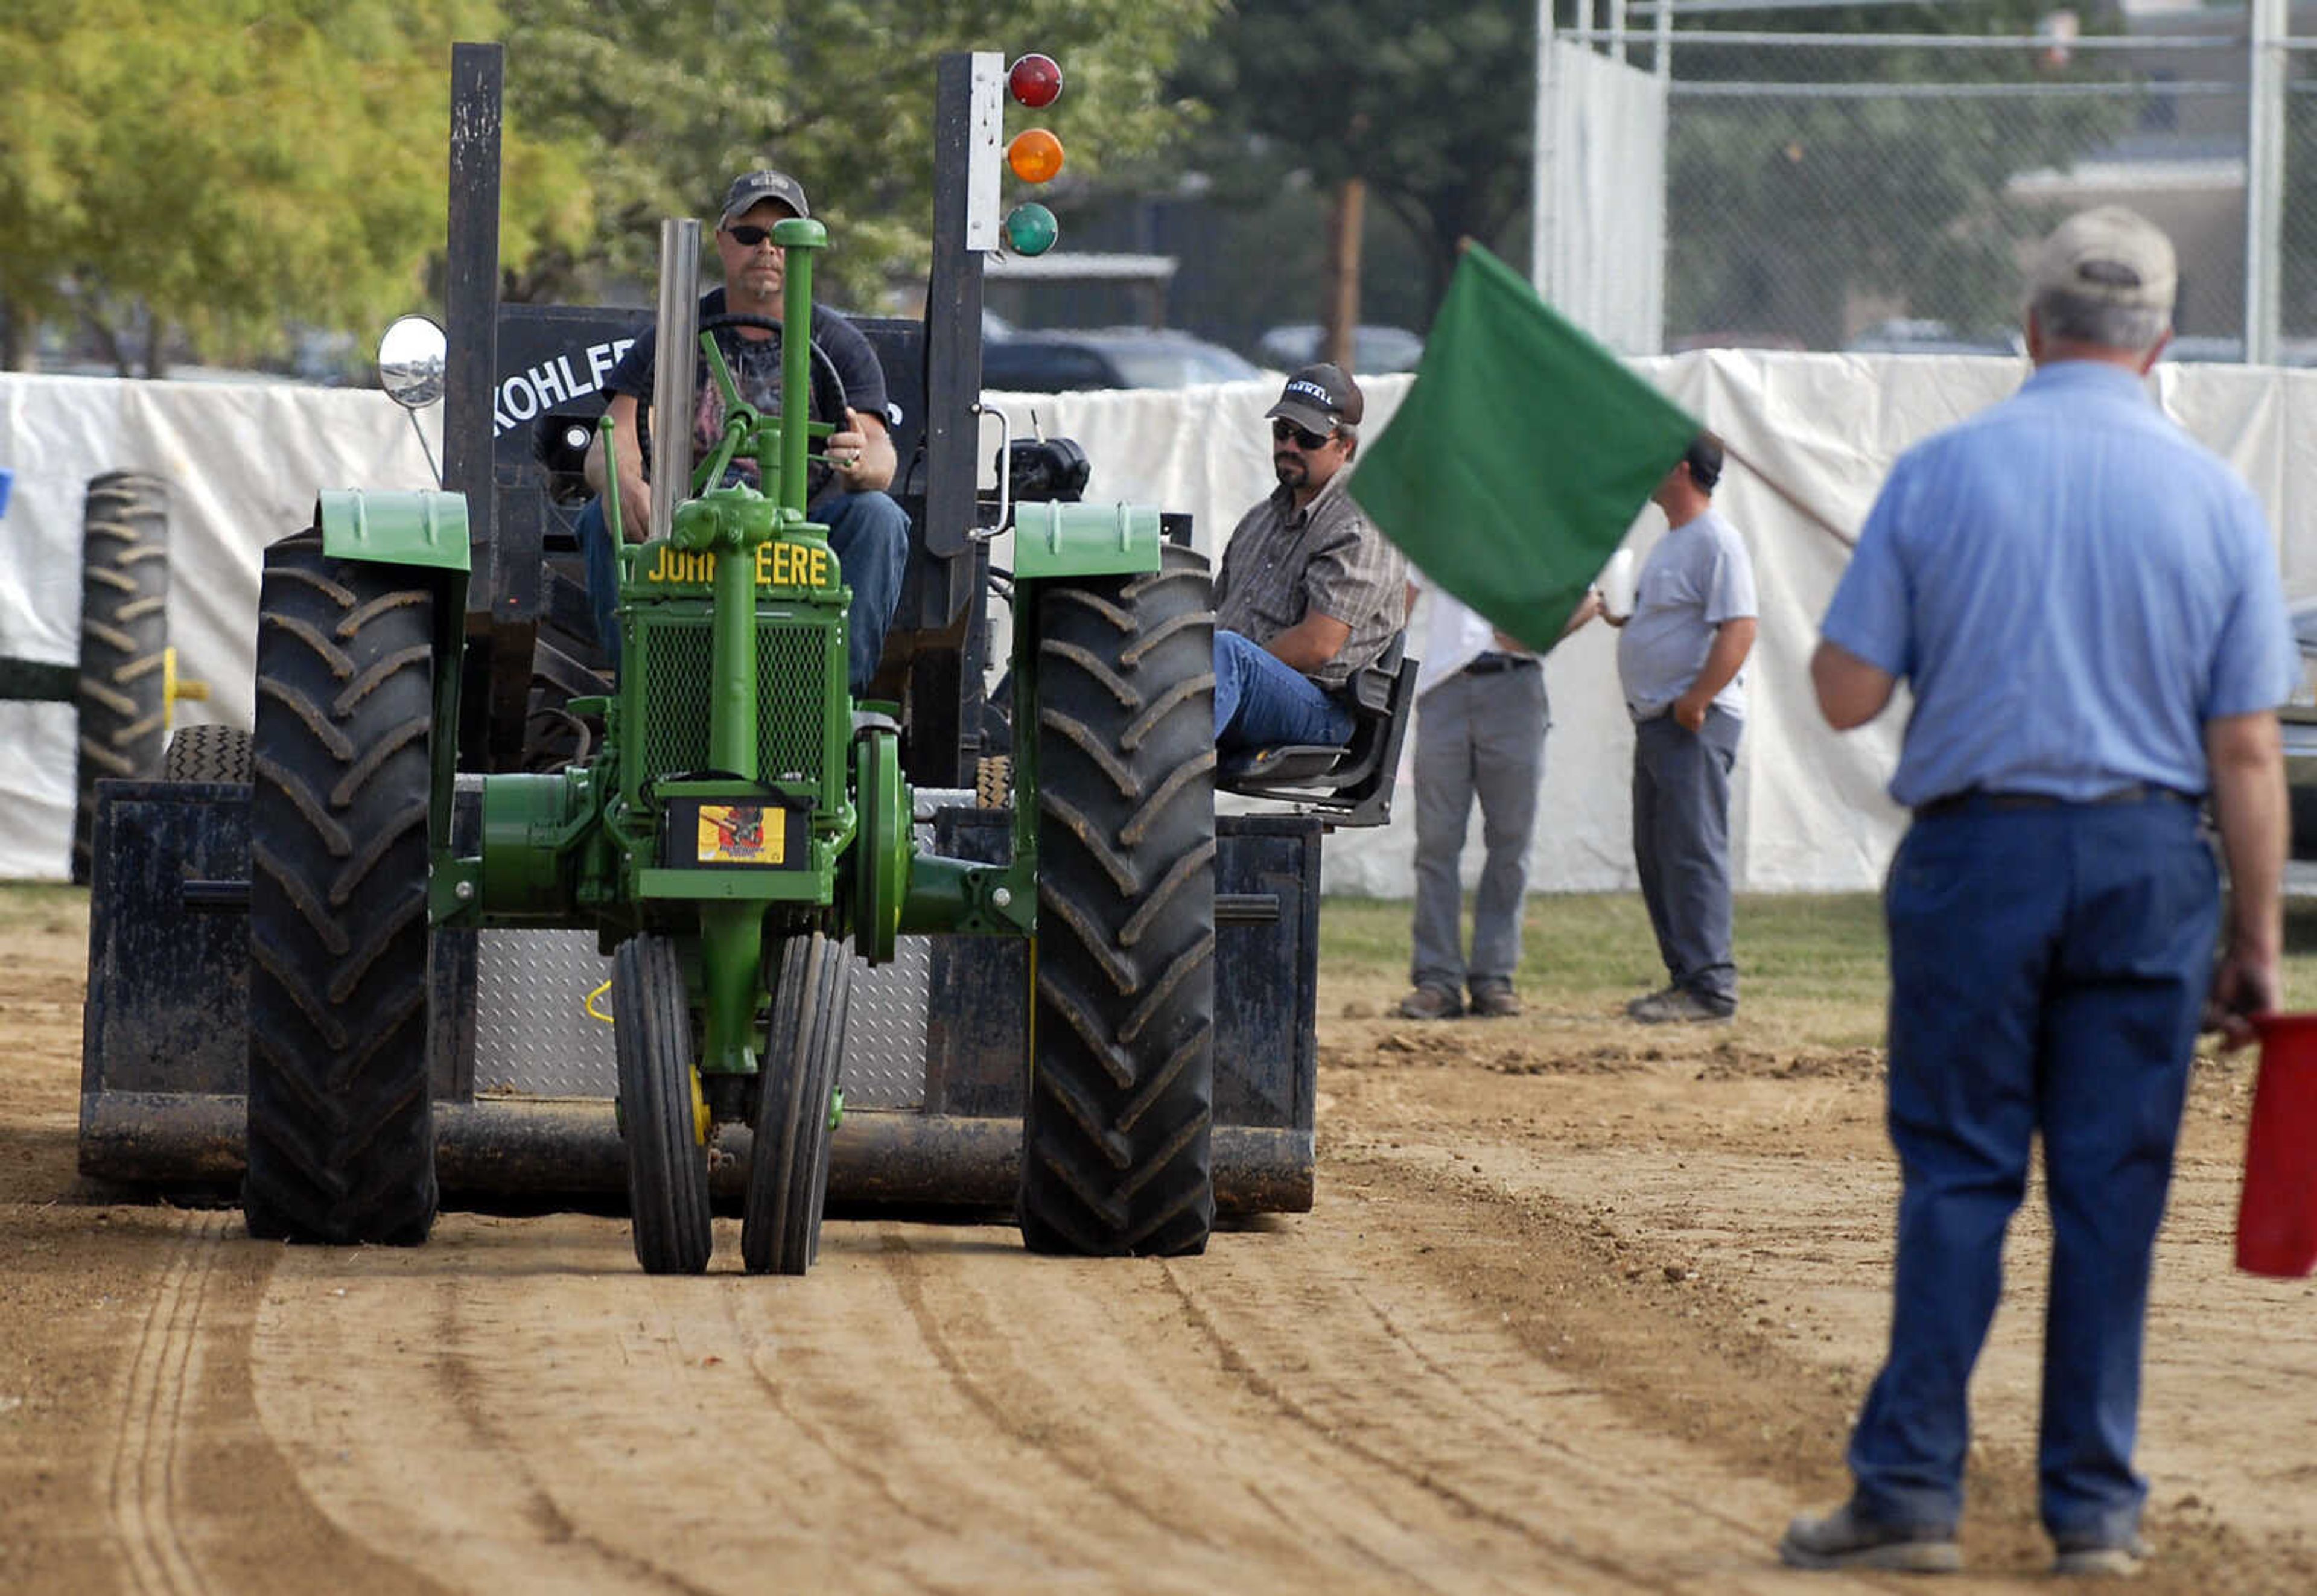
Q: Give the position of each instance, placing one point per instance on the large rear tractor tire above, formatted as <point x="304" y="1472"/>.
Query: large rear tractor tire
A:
<point x="788" y="1169"/>
<point x="341" y="1128"/>
<point x="1117" y="1121"/>
<point x="661" y="1109"/>
<point x="206" y="752"/>
<point x="122" y="693"/>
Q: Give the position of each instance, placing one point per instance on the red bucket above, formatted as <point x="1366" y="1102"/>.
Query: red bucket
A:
<point x="2276" y="1219"/>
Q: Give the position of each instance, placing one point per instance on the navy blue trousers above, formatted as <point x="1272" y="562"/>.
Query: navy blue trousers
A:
<point x="869" y="533"/>
<point x="2048" y="969"/>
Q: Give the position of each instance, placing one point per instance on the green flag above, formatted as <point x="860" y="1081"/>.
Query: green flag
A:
<point x="1523" y="451"/>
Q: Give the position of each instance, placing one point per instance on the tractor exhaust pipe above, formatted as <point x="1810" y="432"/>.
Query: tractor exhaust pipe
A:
<point x="675" y="369"/>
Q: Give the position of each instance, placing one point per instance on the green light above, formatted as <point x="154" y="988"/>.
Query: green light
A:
<point x="1030" y="229"/>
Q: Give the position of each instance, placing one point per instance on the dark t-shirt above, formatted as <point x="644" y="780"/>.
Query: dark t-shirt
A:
<point x="755" y="365"/>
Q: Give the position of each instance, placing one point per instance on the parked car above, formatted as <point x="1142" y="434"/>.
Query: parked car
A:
<point x="1374" y="349"/>
<point x="1917" y="335"/>
<point x="2198" y="348"/>
<point x="1107" y="357"/>
<point x="1732" y="338"/>
<point x="2299" y="718"/>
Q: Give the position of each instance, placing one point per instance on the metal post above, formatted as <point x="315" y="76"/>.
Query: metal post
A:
<point x="1661" y="68"/>
<point x="954" y="311"/>
<point x="1540" y="170"/>
<point x="673" y="368"/>
<point x="2265" y="181"/>
<point x="471" y="287"/>
<point x="1617" y="30"/>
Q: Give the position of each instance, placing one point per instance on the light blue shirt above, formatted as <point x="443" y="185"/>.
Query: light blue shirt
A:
<point x="1697" y="576"/>
<point x="2072" y="587"/>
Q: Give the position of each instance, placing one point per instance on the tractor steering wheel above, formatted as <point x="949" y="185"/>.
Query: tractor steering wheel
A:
<point x="827" y="396"/>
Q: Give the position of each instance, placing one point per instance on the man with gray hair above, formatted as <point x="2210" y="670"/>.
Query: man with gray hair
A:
<point x="2086" y="607"/>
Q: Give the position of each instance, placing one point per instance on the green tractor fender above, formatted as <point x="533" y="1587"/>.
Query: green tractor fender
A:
<point x="426" y="530"/>
<point x="398" y="528"/>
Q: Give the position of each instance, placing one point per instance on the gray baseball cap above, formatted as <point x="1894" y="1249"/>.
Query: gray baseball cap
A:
<point x="753" y="188"/>
<point x="2109" y="255"/>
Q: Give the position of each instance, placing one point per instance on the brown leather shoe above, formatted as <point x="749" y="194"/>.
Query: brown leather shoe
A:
<point x="1495" y="1000"/>
<point x="1431" y="1003"/>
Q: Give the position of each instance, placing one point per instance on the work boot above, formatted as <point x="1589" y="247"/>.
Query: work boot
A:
<point x="2101" y="1559"/>
<point x="1633" y="1009"/>
<point x="1677" y="1005"/>
<point x="1493" y="998"/>
<point x="1844" y="1538"/>
<point x="1431" y="1003"/>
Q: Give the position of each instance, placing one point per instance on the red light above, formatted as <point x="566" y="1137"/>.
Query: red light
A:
<point x="1035" y="82"/>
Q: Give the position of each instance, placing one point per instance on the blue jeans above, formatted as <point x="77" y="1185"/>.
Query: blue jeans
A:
<point x="869" y="533"/>
<point x="2048" y="967"/>
<point x="1681" y="847"/>
<point x="1263" y="702"/>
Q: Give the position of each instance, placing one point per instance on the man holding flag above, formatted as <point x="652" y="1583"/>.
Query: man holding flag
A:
<point x="1519" y="458"/>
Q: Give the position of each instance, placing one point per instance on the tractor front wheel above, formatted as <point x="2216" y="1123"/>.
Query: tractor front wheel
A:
<point x="788" y="1169"/>
<point x="662" y="1118"/>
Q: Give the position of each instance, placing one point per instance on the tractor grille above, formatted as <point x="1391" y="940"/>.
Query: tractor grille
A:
<point x="792" y="701"/>
<point x="793" y="662"/>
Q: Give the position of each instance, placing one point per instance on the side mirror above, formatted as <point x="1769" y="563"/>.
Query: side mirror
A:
<point x="411" y="362"/>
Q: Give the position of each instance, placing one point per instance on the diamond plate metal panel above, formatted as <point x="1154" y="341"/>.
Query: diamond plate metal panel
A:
<point x="533" y="1036"/>
<point x="532" y="1031"/>
<point x="885" y="1031"/>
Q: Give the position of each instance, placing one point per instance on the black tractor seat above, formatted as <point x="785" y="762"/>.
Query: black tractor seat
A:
<point x="1350" y="785"/>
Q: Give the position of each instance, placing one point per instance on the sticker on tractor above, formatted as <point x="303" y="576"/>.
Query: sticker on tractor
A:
<point x="735" y="834"/>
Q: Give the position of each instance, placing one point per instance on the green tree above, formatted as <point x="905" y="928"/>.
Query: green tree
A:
<point x="1786" y="213"/>
<point x="668" y="102"/>
<point x="215" y="170"/>
<point x="1430" y="101"/>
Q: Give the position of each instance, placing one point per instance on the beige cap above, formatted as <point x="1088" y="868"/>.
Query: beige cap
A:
<point x="2109" y="255"/>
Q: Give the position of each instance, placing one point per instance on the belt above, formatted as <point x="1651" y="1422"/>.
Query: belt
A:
<point x="1491" y="662"/>
<point x="1979" y="799"/>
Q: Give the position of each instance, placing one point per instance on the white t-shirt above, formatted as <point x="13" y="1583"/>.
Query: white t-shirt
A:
<point x="1451" y="632"/>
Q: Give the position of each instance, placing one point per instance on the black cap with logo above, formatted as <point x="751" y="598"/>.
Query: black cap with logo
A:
<point x="1320" y="397"/>
<point x="753" y="188"/>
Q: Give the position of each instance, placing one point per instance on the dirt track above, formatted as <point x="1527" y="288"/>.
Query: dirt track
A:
<point x="1578" y="1311"/>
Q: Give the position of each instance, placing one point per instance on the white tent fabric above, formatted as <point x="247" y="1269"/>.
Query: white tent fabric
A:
<point x="1607" y="209"/>
<point x="243" y="460"/>
<point x="1811" y="815"/>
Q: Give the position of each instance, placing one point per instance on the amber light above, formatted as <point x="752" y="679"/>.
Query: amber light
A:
<point x="1035" y="155"/>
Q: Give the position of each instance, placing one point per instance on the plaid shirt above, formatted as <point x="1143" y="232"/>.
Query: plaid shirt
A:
<point x="1282" y="563"/>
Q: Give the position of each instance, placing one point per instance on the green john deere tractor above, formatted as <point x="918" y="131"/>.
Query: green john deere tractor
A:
<point x="741" y="823"/>
<point x="367" y="953"/>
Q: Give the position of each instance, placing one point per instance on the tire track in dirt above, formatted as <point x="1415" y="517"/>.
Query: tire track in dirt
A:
<point x="935" y="1410"/>
<point x="469" y="1398"/>
<point x="141" y="1477"/>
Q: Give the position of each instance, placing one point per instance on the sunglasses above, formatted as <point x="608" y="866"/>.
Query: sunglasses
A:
<point x="1285" y="431"/>
<point x="748" y="237"/>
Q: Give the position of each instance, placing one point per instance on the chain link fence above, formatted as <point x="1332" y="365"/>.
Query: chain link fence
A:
<point x="1885" y="191"/>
